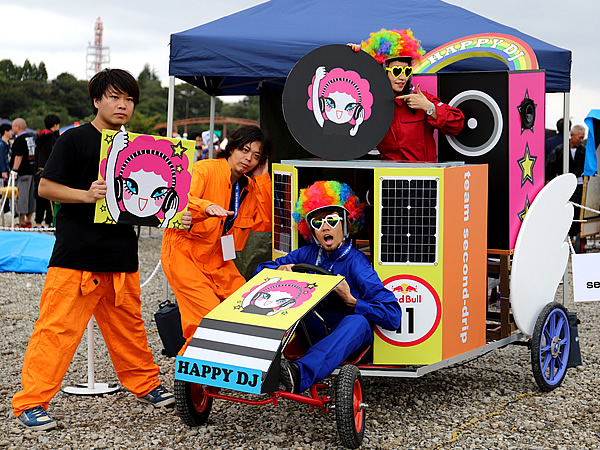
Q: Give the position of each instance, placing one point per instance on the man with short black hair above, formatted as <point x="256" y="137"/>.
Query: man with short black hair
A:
<point x="93" y="268"/>
<point x="23" y="167"/>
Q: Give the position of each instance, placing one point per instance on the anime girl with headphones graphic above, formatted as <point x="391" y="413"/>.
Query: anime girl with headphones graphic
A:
<point x="274" y="296"/>
<point x="341" y="97"/>
<point x="147" y="180"/>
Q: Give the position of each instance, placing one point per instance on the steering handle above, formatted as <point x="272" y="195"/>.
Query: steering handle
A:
<point x="305" y="267"/>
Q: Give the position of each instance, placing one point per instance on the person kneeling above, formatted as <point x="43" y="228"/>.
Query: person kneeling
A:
<point x="327" y="212"/>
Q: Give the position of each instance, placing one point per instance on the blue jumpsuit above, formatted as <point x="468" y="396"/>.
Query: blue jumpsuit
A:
<point x="351" y="332"/>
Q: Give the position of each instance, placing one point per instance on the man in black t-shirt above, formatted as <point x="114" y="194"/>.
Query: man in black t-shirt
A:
<point x="44" y="142"/>
<point x="93" y="268"/>
<point x="23" y="166"/>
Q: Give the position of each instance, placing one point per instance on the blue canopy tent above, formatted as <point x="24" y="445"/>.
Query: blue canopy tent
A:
<point x="251" y="51"/>
<point x="237" y="54"/>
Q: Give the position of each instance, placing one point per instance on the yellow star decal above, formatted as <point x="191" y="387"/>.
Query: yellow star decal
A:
<point x="178" y="169"/>
<point x="526" y="164"/>
<point x="525" y="209"/>
<point x="178" y="150"/>
<point x="109" y="138"/>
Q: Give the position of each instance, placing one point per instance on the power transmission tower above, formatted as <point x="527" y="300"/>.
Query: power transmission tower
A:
<point x="98" y="57"/>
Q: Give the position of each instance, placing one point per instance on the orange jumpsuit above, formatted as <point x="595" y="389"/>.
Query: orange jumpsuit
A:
<point x="193" y="260"/>
<point x="69" y="299"/>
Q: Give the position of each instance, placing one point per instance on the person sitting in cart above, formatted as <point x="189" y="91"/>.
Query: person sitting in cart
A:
<point x="327" y="212"/>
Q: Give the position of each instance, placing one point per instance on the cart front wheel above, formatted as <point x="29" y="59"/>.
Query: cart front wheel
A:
<point x="350" y="411"/>
<point x="550" y="346"/>
<point x="191" y="402"/>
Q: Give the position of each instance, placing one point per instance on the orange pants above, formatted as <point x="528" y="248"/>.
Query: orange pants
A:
<point x="199" y="286"/>
<point x="69" y="299"/>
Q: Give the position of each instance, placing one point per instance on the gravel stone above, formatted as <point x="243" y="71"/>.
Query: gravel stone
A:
<point x="490" y="402"/>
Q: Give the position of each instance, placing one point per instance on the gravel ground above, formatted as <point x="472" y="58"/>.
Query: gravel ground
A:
<point x="492" y="402"/>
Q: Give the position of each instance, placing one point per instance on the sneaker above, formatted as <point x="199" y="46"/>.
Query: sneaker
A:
<point x="158" y="397"/>
<point x="36" y="419"/>
<point x="289" y="376"/>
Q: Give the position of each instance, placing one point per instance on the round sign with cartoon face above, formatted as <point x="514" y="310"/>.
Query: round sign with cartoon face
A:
<point x="421" y="311"/>
<point x="338" y="104"/>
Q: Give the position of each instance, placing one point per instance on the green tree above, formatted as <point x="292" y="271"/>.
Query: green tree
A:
<point x="71" y="94"/>
<point x="142" y="124"/>
<point x="153" y="97"/>
<point x="247" y="108"/>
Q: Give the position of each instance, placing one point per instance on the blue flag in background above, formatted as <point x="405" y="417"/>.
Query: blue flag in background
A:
<point x="592" y="121"/>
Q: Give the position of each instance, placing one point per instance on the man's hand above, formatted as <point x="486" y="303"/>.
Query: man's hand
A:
<point x="343" y="290"/>
<point x="186" y="220"/>
<point x="286" y="267"/>
<point x="97" y="191"/>
<point x="416" y="101"/>
<point x="261" y="169"/>
<point x="217" y="211"/>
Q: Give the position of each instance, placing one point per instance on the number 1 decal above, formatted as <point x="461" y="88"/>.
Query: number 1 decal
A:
<point x="421" y="311"/>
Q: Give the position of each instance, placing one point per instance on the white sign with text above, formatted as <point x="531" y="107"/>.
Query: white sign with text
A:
<point x="586" y="277"/>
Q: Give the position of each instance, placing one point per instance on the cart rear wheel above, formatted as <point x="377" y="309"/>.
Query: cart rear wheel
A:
<point x="192" y="404"/>
<point x="550" y="346"/>
<point x="350" y="411"/>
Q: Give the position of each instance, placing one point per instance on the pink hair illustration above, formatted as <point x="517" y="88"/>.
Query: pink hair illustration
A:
<point x="274" y="296"/>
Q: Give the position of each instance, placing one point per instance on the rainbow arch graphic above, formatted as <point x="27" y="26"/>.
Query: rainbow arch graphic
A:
<point x="514" y="52"/>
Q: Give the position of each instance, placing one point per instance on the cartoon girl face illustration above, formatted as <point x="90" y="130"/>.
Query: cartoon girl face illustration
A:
<point x="151" y="175"/>
<point x="340" y="96"/>
<point x="274" y="296"/>
<point x="144" y="192"/>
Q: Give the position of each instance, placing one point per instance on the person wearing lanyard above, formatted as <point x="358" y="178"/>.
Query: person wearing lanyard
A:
<point x="416" y="114"/>
<point x="327" y="212"/>
<point x="229" y="196"/>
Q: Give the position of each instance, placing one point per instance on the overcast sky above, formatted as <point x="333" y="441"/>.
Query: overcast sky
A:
<point x="59" y="31"/>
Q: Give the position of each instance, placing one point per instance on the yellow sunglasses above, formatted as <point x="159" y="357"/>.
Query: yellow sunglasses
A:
<point x="399" y="70"/>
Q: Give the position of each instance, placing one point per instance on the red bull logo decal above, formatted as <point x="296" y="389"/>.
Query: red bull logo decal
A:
<point x="421" y="311"/>
<point x="405" y="293"/>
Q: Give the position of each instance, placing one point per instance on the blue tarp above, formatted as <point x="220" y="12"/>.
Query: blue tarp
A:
<point x="234" y="55"/>
<point x="27" y="252"/>
<point x="592" y="121"/>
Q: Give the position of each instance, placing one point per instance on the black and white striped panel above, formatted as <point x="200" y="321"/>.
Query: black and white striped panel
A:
<point x="235" y="344"/>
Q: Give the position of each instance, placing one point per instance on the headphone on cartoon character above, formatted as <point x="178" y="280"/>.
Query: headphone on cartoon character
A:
<point x="170" y="196"/>
<point x="357" y="109"/>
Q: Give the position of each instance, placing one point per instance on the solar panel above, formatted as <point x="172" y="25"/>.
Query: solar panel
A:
<point x="282" y="212"/>
<point x="409" y="218"/>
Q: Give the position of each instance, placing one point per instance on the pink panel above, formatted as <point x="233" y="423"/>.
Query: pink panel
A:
<point x="524" y="184"/>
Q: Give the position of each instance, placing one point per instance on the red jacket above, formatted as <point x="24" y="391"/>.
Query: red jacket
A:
<point x="410" y="137"/>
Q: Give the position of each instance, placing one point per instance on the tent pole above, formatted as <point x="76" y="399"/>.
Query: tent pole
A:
<point x="170" y="106"/>
<point x="566" y="151"/>
<point x="566" y="136"/>
<point x="213" y="101"/>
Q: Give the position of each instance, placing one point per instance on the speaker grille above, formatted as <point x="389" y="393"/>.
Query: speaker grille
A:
<point x="282" y="212"/>
<point x="409" y="219"/>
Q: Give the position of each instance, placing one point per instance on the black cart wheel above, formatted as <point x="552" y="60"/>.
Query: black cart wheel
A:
<point x="192" y="404"/>
<point x="550" y="346"/>
<point x="350" y="411"/>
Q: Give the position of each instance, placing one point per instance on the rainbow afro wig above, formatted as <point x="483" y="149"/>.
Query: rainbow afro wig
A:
<point x="391" y="44"/>
<point x="328" y="193"/>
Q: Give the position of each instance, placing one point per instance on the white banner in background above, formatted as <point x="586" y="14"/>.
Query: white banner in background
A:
<point x="586" y="277"/>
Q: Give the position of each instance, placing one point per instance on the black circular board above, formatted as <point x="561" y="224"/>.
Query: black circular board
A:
<point x="354" y="87"/>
